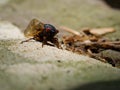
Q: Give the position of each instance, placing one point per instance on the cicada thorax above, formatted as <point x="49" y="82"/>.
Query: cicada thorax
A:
<point x="34" y="28"/>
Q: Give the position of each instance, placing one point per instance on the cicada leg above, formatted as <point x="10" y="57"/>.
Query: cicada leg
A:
<point x="26" y="40"/>
<point x="56" y="43"/>
<point x="44" y="41"/>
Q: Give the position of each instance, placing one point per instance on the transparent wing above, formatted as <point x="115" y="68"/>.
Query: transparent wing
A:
<point x="33" y="28"/>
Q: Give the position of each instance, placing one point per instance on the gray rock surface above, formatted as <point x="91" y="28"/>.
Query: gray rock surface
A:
<point x="28" y="66"/>
<point x="9" y="31"/>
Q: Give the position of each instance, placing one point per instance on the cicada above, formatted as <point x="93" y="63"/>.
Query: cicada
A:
<point x="41" y="32"/>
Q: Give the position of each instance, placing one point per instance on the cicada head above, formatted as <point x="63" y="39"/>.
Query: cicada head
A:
<point x="33" y="28"/>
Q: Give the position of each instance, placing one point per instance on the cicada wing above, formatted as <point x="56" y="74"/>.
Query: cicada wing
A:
<point x="33" y="28"/>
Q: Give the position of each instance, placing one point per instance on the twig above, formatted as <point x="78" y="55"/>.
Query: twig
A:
<point x="70" y="30"/>
<point x="102" y="45"/>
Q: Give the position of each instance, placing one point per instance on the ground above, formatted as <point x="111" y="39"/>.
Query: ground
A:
<point x="28" y="66"/>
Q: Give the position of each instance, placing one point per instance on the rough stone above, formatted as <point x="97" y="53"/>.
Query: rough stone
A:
<point x="9" y="31"/>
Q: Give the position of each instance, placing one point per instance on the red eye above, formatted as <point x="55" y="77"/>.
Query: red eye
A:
<point x="48" y="29"/>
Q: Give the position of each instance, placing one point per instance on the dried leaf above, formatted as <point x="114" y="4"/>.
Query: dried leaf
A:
<point x="91" y="43"/>
<point x="101" y="31"/>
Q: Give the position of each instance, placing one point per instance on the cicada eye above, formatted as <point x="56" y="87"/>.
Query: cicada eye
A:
<point x="50" y="28"/>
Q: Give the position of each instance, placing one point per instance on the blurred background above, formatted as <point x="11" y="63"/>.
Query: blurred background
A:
<point x="75" y="14"/>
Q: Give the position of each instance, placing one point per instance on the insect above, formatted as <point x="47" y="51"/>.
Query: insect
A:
<point x="41" y="32"/>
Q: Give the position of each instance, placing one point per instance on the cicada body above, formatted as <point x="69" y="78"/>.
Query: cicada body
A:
<point x="41" y="32"/>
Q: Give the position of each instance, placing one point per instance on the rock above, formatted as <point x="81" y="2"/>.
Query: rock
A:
<point x="49" y="67"/>
<point x="28" y="66"/>
<point x="2" y="2"/>
<point x="111" y="56"/>
<point x="9" y="31"/>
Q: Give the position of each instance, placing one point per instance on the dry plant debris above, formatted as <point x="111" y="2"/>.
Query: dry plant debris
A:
<point x="90" y="42"/>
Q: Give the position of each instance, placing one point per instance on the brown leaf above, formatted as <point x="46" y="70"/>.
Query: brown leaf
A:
<point x="101" y="31"/>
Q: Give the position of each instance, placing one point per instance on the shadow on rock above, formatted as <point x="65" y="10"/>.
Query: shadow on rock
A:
<point x="113" y="3"/>
<point x="107" y="85"/>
